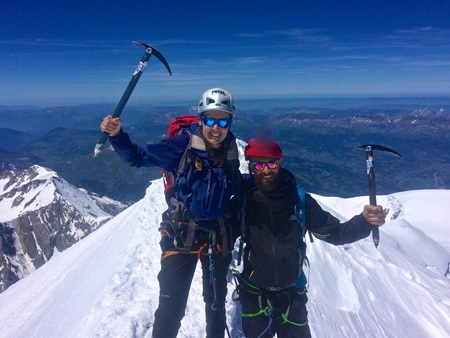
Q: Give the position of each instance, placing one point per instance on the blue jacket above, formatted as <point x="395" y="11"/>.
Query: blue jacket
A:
<point x="205" y="187"/>
<point x="166" y="154"/>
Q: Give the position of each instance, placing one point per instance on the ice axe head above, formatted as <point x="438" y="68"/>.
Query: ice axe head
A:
<point x="370" y="147"/>
<point x="154" y="52"/>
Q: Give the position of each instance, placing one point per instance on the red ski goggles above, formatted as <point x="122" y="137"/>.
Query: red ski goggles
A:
<point x="273" y="164"/>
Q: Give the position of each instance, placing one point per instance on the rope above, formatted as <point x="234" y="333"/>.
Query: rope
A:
<point x="271" y="315"/>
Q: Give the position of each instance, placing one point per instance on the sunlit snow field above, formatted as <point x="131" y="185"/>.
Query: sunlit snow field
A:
<point x="106" y="284"/>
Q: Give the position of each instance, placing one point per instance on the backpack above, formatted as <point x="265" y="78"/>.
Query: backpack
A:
<point x="187" y="211"/>
<point x="177" y="126"/>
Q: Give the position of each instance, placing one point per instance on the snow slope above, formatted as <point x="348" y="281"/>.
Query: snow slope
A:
<point x="106" y="285"/>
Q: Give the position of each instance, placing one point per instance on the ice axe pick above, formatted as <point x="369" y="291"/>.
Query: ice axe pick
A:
<point x="149" y="51"/>
<point x="371" y="177"/>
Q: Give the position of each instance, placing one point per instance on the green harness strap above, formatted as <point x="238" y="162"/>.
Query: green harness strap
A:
<point x="267" y="310"/>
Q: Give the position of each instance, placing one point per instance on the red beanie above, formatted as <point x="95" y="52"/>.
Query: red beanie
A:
<point x="263" y="147"/>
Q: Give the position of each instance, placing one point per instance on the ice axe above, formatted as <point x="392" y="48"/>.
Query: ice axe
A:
<point x="371" y="176"/>
<point x="149" y="51"/>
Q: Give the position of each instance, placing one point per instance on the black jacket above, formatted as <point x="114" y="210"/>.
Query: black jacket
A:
<point x="275" y="248"/>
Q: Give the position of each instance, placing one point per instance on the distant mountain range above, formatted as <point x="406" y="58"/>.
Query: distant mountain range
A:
<point x="317" y="144"/>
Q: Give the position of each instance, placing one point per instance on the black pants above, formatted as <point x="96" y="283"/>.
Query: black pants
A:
<point x="175" y="279"/>
<point x="272" y="317"/>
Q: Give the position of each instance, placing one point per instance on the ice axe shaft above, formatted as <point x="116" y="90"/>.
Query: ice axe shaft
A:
<point x="371" y="179"/>
<point x="149" y="51"/>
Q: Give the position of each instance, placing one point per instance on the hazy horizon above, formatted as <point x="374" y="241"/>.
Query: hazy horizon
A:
<point x="355" y="102"/>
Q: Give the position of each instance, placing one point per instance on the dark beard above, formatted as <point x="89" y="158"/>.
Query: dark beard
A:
<point x="267" y="185"/>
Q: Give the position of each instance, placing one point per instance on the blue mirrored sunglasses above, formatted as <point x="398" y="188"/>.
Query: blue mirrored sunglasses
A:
<point x="210" y="122"/>
<point x="260" y="165"/>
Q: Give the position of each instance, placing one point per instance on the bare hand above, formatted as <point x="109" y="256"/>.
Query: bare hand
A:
<point x="375" y="215"/>
<point x="111" y="125"/>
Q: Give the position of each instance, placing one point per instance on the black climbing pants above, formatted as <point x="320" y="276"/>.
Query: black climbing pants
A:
<point x="175" y="277"/>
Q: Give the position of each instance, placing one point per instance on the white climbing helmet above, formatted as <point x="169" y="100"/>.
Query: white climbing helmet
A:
<point x="216" y="99"/>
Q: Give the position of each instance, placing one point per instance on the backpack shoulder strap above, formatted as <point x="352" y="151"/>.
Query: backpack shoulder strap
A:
<point x="195" y="142"/>
<point x="241" y="204"/>
<point x="232" y="162"/>
<point x="300" y="206"/>
<point x="300" y="211"/>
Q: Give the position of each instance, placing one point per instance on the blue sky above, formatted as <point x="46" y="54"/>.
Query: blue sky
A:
<point x="76" y="52"/>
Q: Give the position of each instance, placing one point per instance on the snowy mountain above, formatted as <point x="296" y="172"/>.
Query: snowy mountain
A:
<point x="106" y="284"/>
<point x="41" y="215"/>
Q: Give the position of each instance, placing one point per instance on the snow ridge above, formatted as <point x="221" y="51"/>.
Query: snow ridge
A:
<point x="106" y="284"/>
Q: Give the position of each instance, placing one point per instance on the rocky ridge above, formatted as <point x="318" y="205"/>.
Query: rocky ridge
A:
<point x="42" y="214"/>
